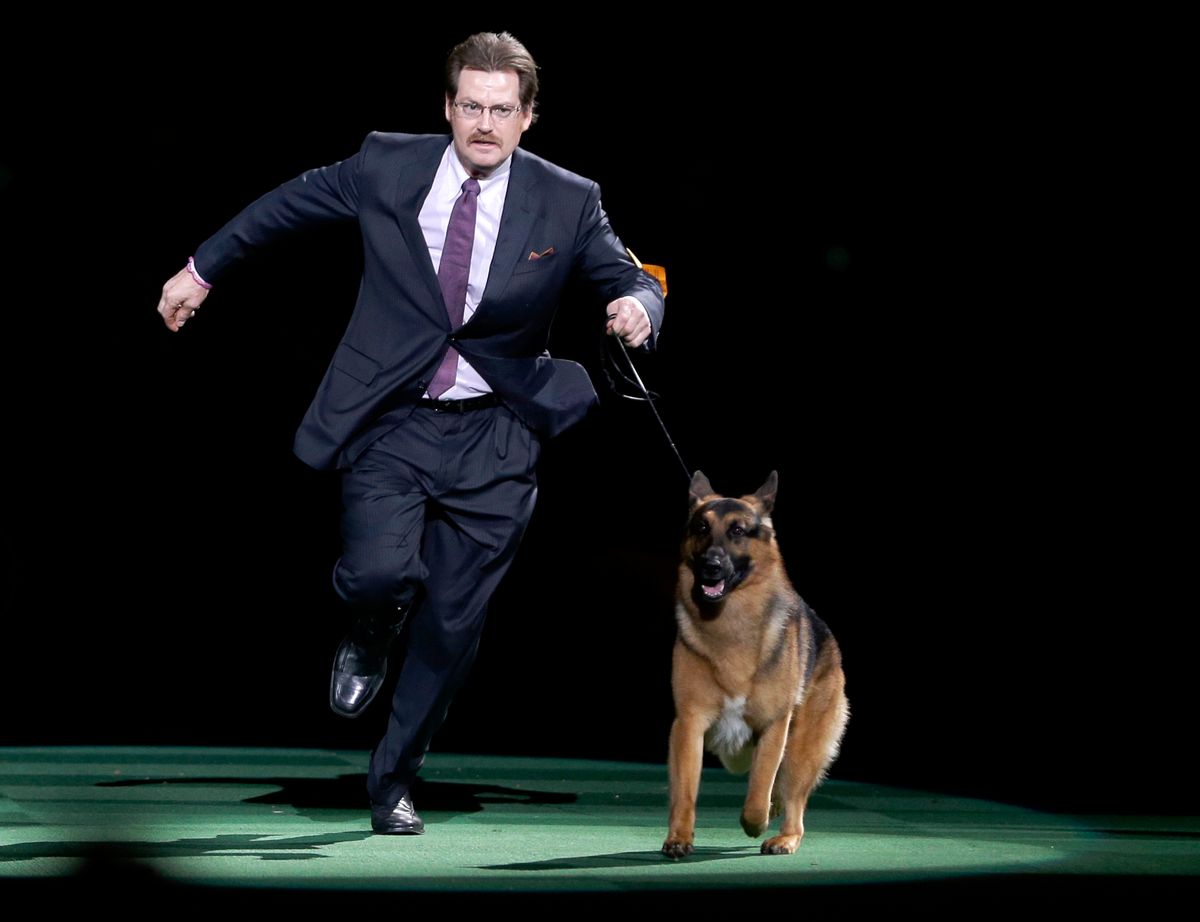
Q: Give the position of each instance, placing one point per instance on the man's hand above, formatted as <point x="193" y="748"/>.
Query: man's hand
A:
<point x="629" y="320"/>
<point x="181" y="298"/>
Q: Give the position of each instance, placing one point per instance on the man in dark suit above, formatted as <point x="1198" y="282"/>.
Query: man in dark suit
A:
<point x="441" y="390"/>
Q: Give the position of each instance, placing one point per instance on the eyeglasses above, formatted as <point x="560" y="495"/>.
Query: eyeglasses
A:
<point x="473" y="110"/>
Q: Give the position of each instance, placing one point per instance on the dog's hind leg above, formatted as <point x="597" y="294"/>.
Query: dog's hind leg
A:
<point x="812" y="745"/>
<point x="776" y="799"/>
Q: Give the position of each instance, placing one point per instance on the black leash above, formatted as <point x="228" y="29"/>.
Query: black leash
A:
<point x="637" y="382"/>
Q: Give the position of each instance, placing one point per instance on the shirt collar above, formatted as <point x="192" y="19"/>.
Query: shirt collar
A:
<point x="459" y="174"/>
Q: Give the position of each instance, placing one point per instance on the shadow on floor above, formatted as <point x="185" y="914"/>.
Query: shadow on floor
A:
<point x="349" y="792"/>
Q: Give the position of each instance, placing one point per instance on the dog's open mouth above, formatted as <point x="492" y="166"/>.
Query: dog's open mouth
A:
<point x="713" y="590"/>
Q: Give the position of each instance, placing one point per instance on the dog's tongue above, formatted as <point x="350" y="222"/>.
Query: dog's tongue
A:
<point x="715" y="590"/>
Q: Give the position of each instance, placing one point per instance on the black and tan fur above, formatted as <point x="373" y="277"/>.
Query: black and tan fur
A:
<point x="757" y="676"/>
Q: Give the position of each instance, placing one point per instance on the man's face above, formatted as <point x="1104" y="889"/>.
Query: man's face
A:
<point x="482" y="143"/>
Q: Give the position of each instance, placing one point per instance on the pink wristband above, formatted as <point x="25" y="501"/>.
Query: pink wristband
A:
<point x="191" y="267"/>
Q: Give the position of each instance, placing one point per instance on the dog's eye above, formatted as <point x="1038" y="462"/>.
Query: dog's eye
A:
<point x="737" y="531"/>
<point x="700" y="527"/>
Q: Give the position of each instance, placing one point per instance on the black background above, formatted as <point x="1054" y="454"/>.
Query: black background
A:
<point x="891" y="279"/>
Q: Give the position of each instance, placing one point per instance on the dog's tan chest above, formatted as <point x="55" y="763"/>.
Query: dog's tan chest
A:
<point x="753" y="659"/>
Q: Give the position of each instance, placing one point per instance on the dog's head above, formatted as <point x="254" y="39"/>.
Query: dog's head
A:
<point x="727" y="538"/>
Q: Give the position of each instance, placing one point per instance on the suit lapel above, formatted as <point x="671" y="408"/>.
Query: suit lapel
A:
<point x="412" y="188"/>
<point x="521" y="206"/>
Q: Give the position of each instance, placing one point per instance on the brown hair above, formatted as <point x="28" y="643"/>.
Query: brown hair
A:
<point x="494" y="51"/>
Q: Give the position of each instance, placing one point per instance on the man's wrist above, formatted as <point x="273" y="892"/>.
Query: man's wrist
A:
<point x="191" y="268"/>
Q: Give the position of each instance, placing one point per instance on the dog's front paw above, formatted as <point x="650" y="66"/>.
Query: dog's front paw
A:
<point x="754" y="822"/>
<point x="676" y="849"/>
<point x="781" y="845"/>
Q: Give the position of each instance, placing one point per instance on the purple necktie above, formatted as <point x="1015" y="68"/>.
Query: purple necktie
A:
<point x="453" y="272"/>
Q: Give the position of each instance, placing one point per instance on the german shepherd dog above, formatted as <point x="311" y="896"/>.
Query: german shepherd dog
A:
<point x="756" y="675"/>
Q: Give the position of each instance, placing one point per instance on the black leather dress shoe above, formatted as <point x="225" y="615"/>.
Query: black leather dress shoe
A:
<point x="400" y="820"/>
<point x="360" y="665"/>
<point x="356" y="679"/>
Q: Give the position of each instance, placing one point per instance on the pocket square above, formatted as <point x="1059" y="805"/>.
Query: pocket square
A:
<point x="533" y="254"/>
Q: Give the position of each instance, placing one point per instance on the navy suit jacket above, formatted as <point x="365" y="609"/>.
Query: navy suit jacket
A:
<point x="400" y="330"/>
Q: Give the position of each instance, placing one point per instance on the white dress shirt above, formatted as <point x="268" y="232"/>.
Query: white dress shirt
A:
<point x="435" y="216"/>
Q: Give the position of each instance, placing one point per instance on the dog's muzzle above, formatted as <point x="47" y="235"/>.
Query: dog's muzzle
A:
<point x="711" y="575"/>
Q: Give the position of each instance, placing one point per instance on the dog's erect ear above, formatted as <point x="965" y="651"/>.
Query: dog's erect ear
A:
<point x="700" y="490"/>
<point x="766" y="493"/>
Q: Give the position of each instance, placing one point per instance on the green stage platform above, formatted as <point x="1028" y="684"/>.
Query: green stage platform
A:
<point x="197" y="821"/>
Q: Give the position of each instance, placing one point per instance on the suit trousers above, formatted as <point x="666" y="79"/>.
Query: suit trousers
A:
<point x="434" y="511"/>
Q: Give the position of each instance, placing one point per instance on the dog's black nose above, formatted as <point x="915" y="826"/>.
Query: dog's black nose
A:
<point x="713" y="563"/>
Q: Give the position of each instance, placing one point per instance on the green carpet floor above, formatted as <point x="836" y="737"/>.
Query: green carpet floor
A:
<point x="296" y="820"/>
